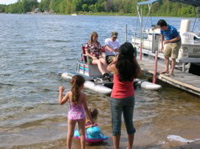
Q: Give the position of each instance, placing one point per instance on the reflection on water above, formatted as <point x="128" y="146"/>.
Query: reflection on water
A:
<point x="36" y="49"/>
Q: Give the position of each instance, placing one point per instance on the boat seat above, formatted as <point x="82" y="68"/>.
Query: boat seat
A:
<point x="89" y="70"/>
<point x="85" y="67"/>
<point x="190" y="38"/>
<point x="85" y="58"/>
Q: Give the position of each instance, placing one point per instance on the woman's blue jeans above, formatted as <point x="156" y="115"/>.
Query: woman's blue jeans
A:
<point x="125" y="106"/>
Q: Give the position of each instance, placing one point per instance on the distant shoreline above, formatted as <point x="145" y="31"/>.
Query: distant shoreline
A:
<point x="123" y="14"/>
<point x="100" y="14"/>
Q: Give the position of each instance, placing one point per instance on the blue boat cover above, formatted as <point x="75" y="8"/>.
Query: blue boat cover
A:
<point x="195" y="3"/>
<point x="148" y="2"/>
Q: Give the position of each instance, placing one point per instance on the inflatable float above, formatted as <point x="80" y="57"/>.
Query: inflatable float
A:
<point x="147" y="85"/>
<point x="106" y="87"/>
<point x="90" y="83"/>
<point x="93" y="135"/>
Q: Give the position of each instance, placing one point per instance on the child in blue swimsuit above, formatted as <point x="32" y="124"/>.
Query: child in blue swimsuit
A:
<point x="78" y="109"/>
<point x="93" y="132"/>
<point x="94" y="114"/>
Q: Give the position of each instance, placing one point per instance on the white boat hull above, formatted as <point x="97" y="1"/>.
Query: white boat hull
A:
<point x="89" y="84"/>
<point x="101" y="88"/>
<point x="97" y="88"/>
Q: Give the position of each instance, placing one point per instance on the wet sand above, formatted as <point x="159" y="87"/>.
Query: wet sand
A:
<point x="155" y="117"/>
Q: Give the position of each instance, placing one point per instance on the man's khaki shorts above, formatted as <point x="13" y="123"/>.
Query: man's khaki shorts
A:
<point x="109" y="58"/>
<point x="172" y="49"/>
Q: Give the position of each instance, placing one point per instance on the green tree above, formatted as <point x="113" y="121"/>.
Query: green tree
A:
<point x="44" y="5"/>
<point x="2" y="8"/>
<point x="85" y="7"/>
<point x="163" y="8"/>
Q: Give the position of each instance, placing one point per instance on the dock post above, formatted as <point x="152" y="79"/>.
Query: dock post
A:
<point x="155" y="67"/>
<point x="141" y="35"/>
<point x="126" y="33"/>
<point x="140" y="50"/>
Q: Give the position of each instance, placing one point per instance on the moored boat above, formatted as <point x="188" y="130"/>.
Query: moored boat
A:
<point x="147" y="40"/>
<point x="94" y="80"/>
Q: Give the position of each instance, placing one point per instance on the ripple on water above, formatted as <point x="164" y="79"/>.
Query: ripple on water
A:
<point x="48" y="45"/>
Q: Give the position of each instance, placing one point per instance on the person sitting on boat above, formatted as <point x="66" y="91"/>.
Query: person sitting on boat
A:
<point x="111" y="47"/>
<point x="171" y="43"/>
<point x="93" y="50"/>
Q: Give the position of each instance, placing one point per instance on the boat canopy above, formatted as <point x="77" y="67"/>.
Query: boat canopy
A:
<point x="139" y="5"/>
<point x="148" y="2"/>
<point x="195" y="3"/>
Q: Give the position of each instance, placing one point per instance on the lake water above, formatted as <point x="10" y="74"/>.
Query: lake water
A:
<point x="36" y="49"/>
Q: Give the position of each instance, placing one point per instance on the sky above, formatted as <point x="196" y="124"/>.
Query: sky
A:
<point x="10" y="1"/>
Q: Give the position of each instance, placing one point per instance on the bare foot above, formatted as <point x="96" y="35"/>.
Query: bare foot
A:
<point x="161" y="51"/>
<point x="164" y="71"/>
<point x="171" y="74"/>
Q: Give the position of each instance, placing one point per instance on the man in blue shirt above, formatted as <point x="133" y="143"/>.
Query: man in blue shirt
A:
<point x="171" y="43"/>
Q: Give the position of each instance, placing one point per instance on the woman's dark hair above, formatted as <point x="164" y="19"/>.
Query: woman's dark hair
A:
<point x="76" y="82"/>
<point x="126" y="64"/>
<point x="162" y="23"/>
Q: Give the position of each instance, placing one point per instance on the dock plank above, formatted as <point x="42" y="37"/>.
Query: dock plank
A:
<point x="183" y="80"/>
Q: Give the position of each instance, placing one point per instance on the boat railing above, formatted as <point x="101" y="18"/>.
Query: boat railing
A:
<point x="149" y="40"/>
<point x="190" y="38"/>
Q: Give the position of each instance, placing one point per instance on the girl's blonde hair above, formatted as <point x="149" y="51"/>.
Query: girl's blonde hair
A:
<point x="94" y="113"/>
<point x="76" y="82"/>
<point x="92" y="35"/>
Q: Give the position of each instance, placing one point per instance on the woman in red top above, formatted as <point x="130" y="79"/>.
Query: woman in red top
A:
<point x="125" y="69"/>
<point x="93" y="50"/>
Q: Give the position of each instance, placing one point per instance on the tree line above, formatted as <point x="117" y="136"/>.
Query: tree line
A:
<point x="121" y="7"/>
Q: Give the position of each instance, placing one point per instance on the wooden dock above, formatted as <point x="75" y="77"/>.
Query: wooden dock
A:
<point x="182" y="80"/>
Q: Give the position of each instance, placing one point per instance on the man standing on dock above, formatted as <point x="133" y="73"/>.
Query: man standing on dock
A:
<point x="171" y="43"/>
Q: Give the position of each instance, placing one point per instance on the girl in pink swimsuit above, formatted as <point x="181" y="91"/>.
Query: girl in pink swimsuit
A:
<point x="78" y="109"/>
<point x="76" y="112"/>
